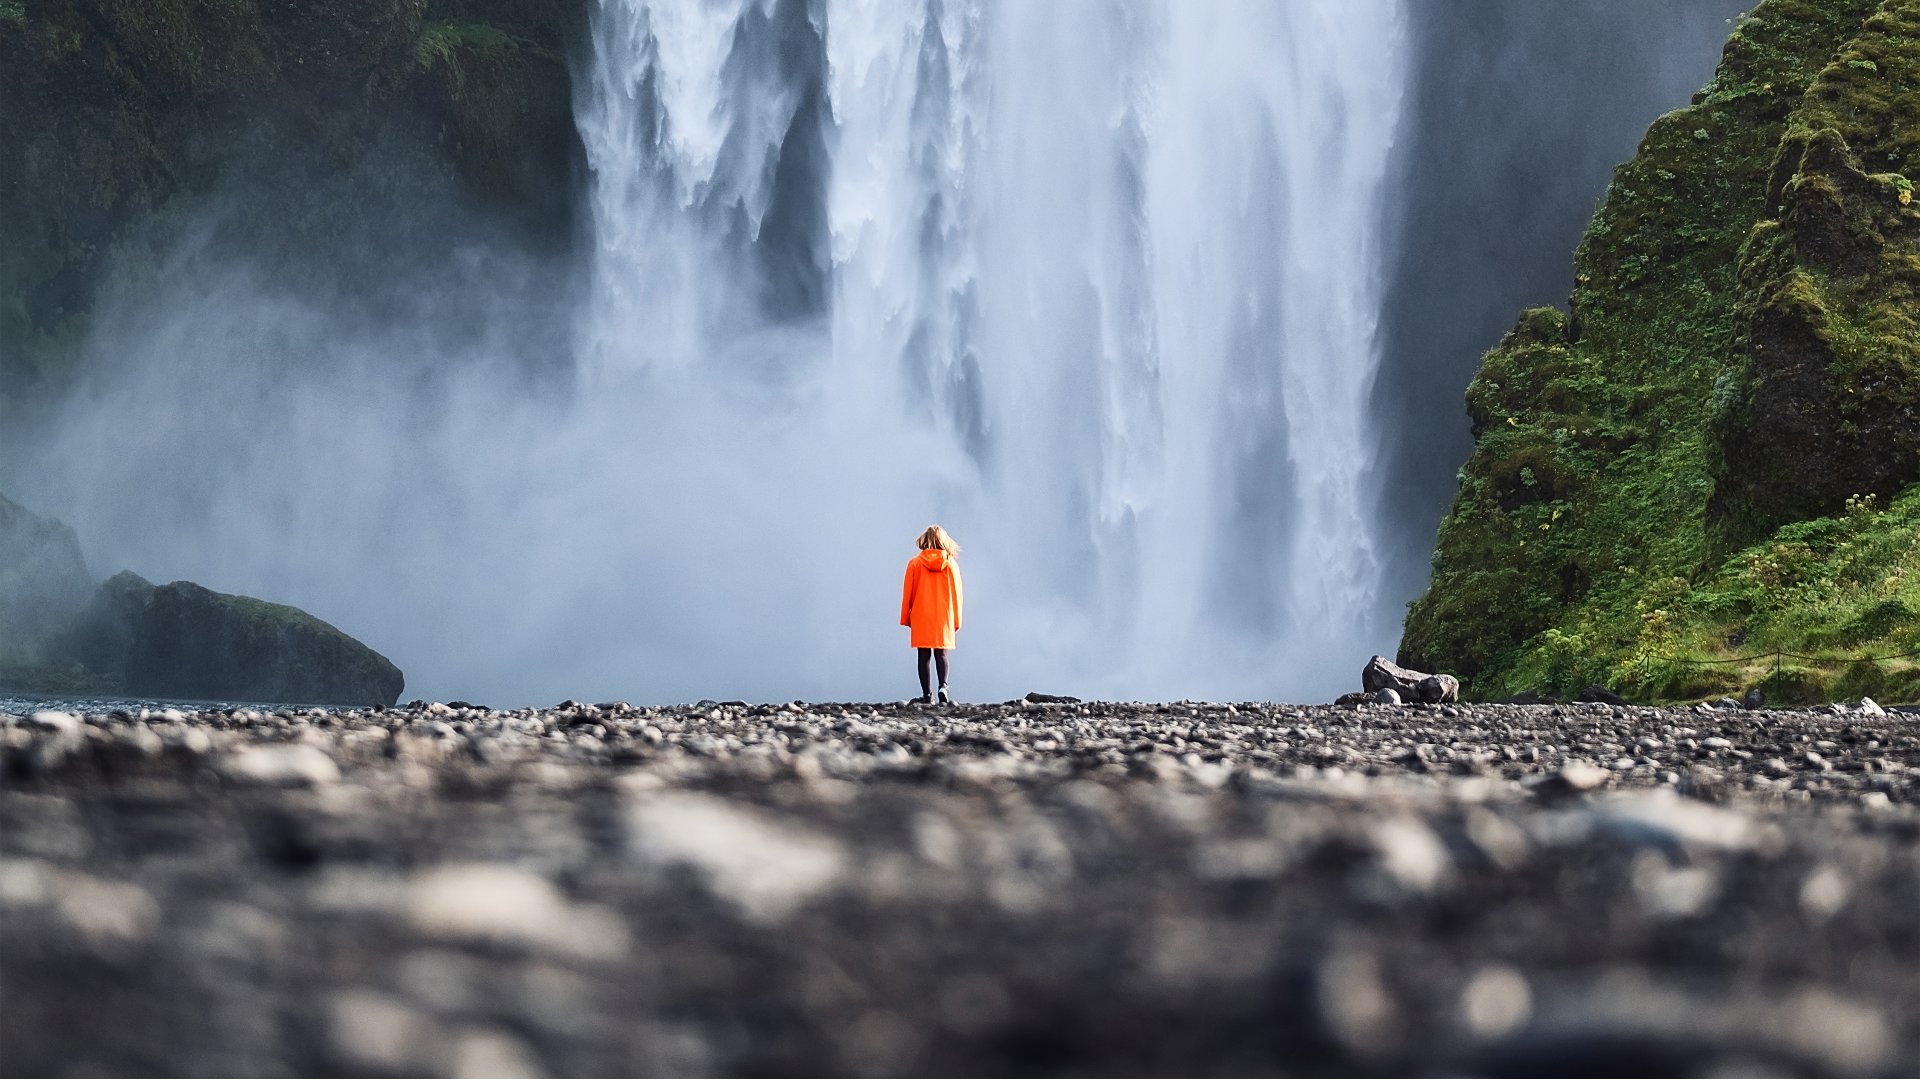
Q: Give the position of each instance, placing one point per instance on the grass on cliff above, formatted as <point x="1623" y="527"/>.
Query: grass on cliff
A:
<point x="1826" y="591"/>
<point x="1591" y="534"/>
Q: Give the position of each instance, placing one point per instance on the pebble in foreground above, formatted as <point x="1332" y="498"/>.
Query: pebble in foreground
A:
<point x="1034" y="886"/>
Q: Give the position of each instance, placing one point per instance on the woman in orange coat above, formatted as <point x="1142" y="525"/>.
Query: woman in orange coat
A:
<point x="930" y="606"/>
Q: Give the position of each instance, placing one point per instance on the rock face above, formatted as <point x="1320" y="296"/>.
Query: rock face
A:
<point x="97" y="639"/>
<point x="1409" y="685"/>
<point x="342" y="112"/>
<point x="43" y="580"/>
<point x="191" y="642"/>
<point x="1725" y="423"/>
<point x="176" y="641"/>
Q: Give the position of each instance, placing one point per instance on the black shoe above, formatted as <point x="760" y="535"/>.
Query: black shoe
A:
<point x="945" y="699"/>
<point x="923" y="699"/>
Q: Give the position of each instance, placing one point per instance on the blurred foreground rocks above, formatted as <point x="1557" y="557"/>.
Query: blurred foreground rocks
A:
<point x="1032" y="886"/>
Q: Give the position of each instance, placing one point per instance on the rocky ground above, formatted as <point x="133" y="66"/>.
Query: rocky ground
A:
<point x="1026" y="887"/>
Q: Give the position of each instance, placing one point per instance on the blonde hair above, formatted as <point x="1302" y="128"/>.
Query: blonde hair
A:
<point x="936" y="537"/>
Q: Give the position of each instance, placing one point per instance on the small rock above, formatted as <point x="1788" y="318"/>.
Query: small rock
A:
<point x="370" y="1028"/>
<point x="1411" y="853"/>
<point x="107" y="912"/>
<point x="1381" y="674"/>
<point x="478" y="1052"/>
<point x="1352" y="1000"/>
<point x="191" y="740"/>
<point x="1725" y="703"/>
<point x="139" y="739"/>
<point x="1577" y="775"/>
<point x="1603" y="695"/>
<point x="1496" y="1001"/>
<point x="1717" y="743"/>
<point x="766" y="866"/>
<point x="1661" y="818"/>
<point x="1754" y="699"/>
<point x="1386" y="696"/>
<point x="1824" y="892"/>
<point x="500" y="903"/>
<point x="1437" y="688"/>
<point x="286" y="765"/>
<point x="60" y="723"/>
<point x="1871" y="707"/>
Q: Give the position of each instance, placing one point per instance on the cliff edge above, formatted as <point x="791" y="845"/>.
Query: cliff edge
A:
<point x="1702" y="476"/>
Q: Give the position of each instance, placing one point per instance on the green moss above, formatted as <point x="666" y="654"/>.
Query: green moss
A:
<point x="1600" y="509"/>
<point x="458" y="45"/>
<point x="503" y="92"/>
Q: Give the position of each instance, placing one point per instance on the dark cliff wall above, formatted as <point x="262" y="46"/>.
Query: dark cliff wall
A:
<point x="330" y="139"/>
<point x="1706" y="457"/>
<point x="1516" y="113"/>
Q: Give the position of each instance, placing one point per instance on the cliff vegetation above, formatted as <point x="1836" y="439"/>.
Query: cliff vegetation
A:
<point x="1701" y="477"/>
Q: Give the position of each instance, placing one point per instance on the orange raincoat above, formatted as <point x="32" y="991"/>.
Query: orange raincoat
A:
<point x="930" y="599"/>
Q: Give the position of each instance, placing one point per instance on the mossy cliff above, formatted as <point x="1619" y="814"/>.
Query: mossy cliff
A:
<point x="1714" y="453"/>
<point x="313" y="122"/>
<point x="170" y="641"/>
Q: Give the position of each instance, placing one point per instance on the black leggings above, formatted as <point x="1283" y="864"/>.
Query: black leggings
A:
<point x="939" y="658"/>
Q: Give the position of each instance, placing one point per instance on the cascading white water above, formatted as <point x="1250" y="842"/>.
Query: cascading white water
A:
<point x="1093" y="283"/>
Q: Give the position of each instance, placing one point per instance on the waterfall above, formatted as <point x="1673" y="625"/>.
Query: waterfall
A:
<point x="1094" y="283"/>
<point x="1091" y="283"/>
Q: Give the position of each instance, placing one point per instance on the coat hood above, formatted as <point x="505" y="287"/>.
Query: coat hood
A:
<point x="934" y="560"/>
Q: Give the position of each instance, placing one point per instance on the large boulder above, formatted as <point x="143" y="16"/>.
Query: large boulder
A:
<point x="43" y="581"/>
<point x="1383" y="674"/>
<point x="191" y="642"/>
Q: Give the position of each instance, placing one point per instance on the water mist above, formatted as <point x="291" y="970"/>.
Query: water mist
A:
<point x="1095" y="285"/>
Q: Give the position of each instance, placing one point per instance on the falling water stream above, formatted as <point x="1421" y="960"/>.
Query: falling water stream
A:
<point x="1093" y="283"/>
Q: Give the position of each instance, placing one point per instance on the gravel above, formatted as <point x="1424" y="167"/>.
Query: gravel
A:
<point x="1036" y="886"/>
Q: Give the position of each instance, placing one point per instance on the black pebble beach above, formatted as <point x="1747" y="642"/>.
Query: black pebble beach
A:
<point x="1029" y="887"/>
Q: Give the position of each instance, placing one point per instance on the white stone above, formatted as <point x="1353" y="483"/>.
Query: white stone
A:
<point x="478" y="1052"/>
<point x="63" y="723"/>
<point x="106" y="911"/>
<point x="1824" y="892"/>
<point x="1410" y="852"/>
<point x="1664" y="816"/>
<point x="499" y="903"/>
<point x="285" y="765"/>
<point x="1496" y="1002"/>
<point x="372" y="1028"/>
<point x="764" y="866"/>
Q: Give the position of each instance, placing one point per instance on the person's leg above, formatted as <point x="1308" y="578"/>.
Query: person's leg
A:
<point x="940" y="663"/>
<point x="926" y="677"/>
